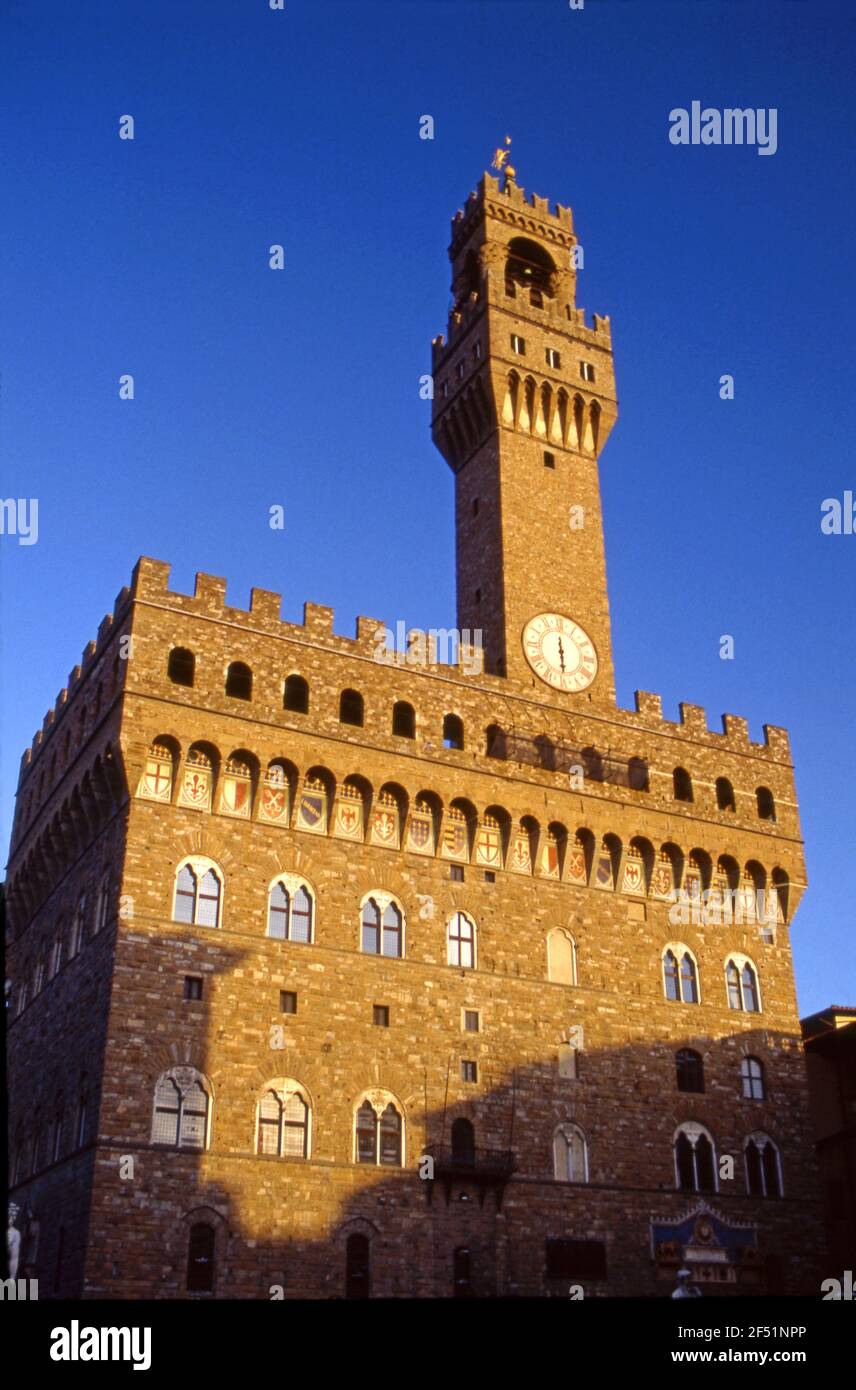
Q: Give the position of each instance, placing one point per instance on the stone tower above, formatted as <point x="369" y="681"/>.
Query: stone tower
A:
<point x="524" y="401"/>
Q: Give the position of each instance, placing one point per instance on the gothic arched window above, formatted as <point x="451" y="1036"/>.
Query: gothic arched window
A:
<point x="461" y="937"/>
<point x="290" y="911"/>
<point x="181" y="1110"/>
<point x="695" y="1159"/>
<point x="283" y="1121"/>
<point x="198" y="893"/>
<point x="382" y="926"/>
<point x="680" y="975"/>
<point x="763" y="1168"/>
<point x="741" y="982"/>
<point x="570" y="1157"/>
<point x="379" y="1132"/>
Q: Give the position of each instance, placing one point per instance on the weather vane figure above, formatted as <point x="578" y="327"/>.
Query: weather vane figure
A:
<point x="502" y="161"/>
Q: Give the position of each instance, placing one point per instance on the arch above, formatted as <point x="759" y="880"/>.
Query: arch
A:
<point x="641" y="849"/>
<point x="763" y="1166"/>
<point x="463" y="1141"/>
<point x="352" y="708"/>
<point x="766" y="804"/>
<point x="680" y="974"/>
<point x="529" y="265"/>
<point x="637" y="775"/>
<point x="741" y="984"/>
<point x="453" y="731"/>
<point x="403" y="719"/>
<point x="379" y="1131"/>
<point x="570" y="1154"/>
<point x="284" y="1119"/>
<point x="295" y="694"/>
<point x="561" y="957"/>
<point x="382" y="924"/>
<point x="291" y="909"/>
<point x="181" y="666"/>
<point x="461" y="941"/>
<point x="725" y="795"/>
<point x="357" y="1265"/>
<point x="695" y="1158"/>
<point x="780" y="891"/>
<point x="181" y="1111"/>
<point x="239" y="681"/>
<point x="554" y="850"/>
<point x="682" y="785"/>
<point x="198" y="892"/>
<point x="162" y="759"/>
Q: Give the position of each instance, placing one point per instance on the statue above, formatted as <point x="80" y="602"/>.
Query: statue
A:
<point x="13" y="1241"/>
<point x="501" y="159"/>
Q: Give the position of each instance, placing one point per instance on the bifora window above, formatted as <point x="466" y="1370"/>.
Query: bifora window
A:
<point x="283" y="1127"/>
<point x="290" y="912"/>
<point x="198" y="891"/>
<point x="742" y="985"/>
<point x="378" y="1135"/>
<point x="382" y="927"/>
<point x="180" y="1117"/>
<point x="680" y="978"/>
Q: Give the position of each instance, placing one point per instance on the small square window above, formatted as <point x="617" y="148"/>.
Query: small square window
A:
<point x="549" y="459"/>
<point x="489" y="876"/>
<point x="587" y="371"/>
<point x="469" y="1071"/>
<point x="192" y="987"/>
<point x="380" y="1015"/>
<point x="456" y="873"/>
<point x="471" y="1021"/>
<point x="518" y="345"/>
<point x="553" y="358"/>
<point x="287" y="1001"/>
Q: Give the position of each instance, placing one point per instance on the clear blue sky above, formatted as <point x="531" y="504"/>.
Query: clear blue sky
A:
<point x="301" y="388"/>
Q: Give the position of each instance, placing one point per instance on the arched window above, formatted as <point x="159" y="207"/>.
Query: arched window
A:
<point x="290" y="911"/>
<point x="379" y="1133"/>
<point x="689" y="1069"/>
<point x="403" y="719"/>
<point x="239" y="681"/>
<point x="181" y="1110"/>
<point x="198" y="893"/>
<point x="283" y="1121"/>
<point x="382" y="926"/>
<point x="766" y="804"/>
<point x="463" y="1142"/>
<point x="724" y="795"/>
<point x="295" y="695"/>
<point x="695" y="1159"/>
<point x="637" y="773"/>
<point x="102" y="904"/>
<point x="453" y="731"/>
<point x="461" y="938"/>
<point x="181" y="666"/>
<point x="561" y="958"/>
<point x="570" y="1158"/>
<point x="201" y="1261"/>
<point x="357" y="1266"/>
<point x="683" y="786"/>
<point x="752" y="1079"/>
<point x="680" y="976"/>
<point x="742" y="985"/>
<point x="763" y="1167"/>
<point x="351" y="708"/>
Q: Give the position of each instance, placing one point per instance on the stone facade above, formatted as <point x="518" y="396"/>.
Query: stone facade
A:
<point x="554" y="829"/>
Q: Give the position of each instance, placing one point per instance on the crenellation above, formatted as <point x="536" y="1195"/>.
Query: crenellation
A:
<point x="649" y="705"/>
<point x="778" y="741"/>
<point x="209" y="591"/>
<point x="735" y="727"/>
<point x="693" y="718"/>
<point x="265" y="605"/>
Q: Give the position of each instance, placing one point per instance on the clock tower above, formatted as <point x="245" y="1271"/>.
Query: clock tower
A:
<point x="524" y="400"/>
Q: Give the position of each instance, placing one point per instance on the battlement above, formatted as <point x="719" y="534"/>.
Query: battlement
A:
<point x="511" y="197"/>
<point x="735" y="729"/>
<point x="92" y="653"/>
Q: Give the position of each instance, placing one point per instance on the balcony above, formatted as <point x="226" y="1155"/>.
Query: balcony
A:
<point x="483" y="1168"/>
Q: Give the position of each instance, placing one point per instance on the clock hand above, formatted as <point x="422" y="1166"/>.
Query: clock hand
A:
<point x="561" y="655"/>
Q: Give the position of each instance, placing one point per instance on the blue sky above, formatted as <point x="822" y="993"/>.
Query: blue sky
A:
<point x="300" y="388"/>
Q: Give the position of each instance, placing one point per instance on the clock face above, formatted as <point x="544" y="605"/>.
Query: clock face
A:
<point x="560" y="652"/>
